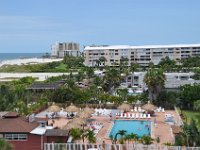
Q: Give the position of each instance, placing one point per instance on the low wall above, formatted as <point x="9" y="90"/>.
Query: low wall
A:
<point x="77" y="146"/>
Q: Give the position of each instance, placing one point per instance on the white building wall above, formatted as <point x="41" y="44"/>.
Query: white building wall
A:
<point x="173" y="80"/>
<point x="142" y="55"/>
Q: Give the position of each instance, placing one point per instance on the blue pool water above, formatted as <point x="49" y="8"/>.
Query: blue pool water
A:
<point x="131" y="126"/>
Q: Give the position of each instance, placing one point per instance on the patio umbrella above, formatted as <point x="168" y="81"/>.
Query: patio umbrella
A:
<point x="71" y="125"/>
<point x="72" y="108"/>
<point x="54" y="108"/>
<point x="125" y="107"/>
<point x="149" y="107"/>
<point x="83" y="114"/>
<point x="88" y="110"/>
<point x="79" y="121"/>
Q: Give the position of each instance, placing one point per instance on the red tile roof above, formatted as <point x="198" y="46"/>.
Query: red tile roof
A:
<point x="17" y="125"/>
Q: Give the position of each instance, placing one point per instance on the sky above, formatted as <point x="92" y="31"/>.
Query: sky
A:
<point x="32" y="26"/>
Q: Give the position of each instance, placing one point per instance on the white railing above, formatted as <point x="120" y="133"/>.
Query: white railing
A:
<point x="77" y="146"/>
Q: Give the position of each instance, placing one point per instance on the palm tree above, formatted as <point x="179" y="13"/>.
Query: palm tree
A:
<point x="134" y="67"/>
<point x="98" y="62"/>
<point x="134" y="137"/>
<point x="128" y="138"/>
<point x="146" y="140"/>
<point x="190" y="134"/>
<point x="102" y="60"/>
<point x="75" y="133"/>
<point x="112" y="77"/>
<point x="124" y="61"/>
<point x="121" y="133"/>
<point x="4" y="145"/>
<point x="112" y="138"/>
<point x="155" y="80"/>
<point x="91" y="136"/>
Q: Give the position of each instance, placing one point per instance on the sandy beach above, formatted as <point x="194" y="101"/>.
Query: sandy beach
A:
<point x="28" y="61"/>
<point x="39" y="76"/>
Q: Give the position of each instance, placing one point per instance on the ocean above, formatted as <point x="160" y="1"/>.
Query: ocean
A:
<point x="10" y="56"/>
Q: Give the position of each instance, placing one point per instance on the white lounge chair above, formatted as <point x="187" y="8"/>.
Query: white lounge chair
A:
<point x="158" y="110"/>
<point x="141" y="116"/>
<point x="136" y="116"/>
<point x="139" y="109"/>
<point x="121" y="115"/>
<point x="163" y="110"/>
<point x="70" y="139"/>
<point x="125" y="115"/>
<point x="145" y="116"/>
<point x="131" y="110"/>
<point x="148" y="116"/>
<point x="133" y="116"/>
<point x="135" y="109"/>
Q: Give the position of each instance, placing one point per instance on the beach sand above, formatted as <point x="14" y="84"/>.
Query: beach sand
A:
<point x="27" y="61"/>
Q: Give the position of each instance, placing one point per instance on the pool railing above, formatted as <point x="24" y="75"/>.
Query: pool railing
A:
<point x="134" y="146"/>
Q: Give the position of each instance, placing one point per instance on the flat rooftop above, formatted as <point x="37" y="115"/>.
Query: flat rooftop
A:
<point x="139" y="47"/>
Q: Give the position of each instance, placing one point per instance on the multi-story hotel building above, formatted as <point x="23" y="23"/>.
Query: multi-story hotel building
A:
<point x="65" y="49"/>
<point x="173" y="80"/>
<point x="142" y="55"/>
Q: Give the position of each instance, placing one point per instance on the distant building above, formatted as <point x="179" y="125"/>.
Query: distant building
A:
<point x="142" y="55"/>
<point x="65" y="49"/>
<point x="173" y="80"/>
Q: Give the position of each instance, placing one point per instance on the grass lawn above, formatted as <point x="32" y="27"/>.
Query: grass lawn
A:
<point x="62" y="66"/>
<point x="191" y="114"/>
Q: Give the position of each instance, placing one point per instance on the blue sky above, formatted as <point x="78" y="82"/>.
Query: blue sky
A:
<point x="34" y="25"/>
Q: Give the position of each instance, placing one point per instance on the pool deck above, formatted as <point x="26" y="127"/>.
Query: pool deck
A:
<point x="161" y="129"/>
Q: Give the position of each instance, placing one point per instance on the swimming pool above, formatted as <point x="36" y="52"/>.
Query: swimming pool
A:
<point x="139" y="127"/>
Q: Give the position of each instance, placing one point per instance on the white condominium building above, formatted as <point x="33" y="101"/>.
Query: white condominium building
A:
<point x="173" y="80"/>
<point x="142" y="55"/>
<point x="65" y="49"/>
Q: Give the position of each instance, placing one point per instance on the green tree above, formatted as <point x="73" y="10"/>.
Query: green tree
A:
<point x="189" y="94"/>
<point x="134" y="67"/>
<point x="91" y="136"/>
<point x="154" y="79"/>
<point x="75" y="133"/>
<point x="167" y="64"/>
<point x="146" y="140"/>
<point x="112" y="77"/>
<point x="89" y="72"/>
<point x="103" y="60"/>
<point x="122" y="133"/>
<point x="189" y="136"/>
<point x="4" y="145"/>
<point x="197" y="105"/>
<point x="123" y="94"/>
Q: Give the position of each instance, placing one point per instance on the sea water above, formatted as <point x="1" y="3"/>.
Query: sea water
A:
<point x="11" y="56"/>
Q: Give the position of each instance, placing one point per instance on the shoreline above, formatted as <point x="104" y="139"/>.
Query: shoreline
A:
<point x="28" y="61"/>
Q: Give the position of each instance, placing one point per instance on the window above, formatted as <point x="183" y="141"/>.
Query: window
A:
<point x="16" y="137"/>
